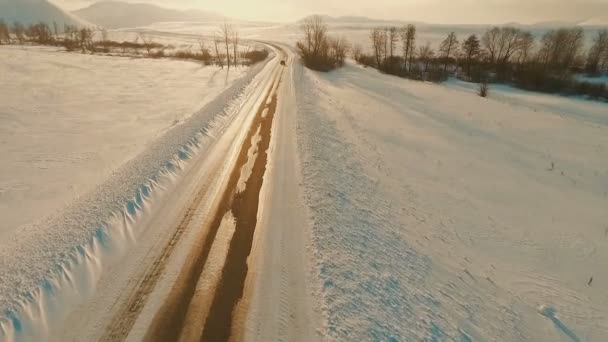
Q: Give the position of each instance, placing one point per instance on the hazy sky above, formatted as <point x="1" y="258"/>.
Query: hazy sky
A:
<point x="433" y="11"/>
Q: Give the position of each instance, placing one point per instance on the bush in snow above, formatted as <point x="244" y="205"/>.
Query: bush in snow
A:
<point x="483" y="89"/>
<point x="317" y="49"/>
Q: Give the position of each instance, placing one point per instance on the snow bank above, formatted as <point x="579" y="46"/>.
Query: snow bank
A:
<point x="440" y="215"/>
<point x="53" y="264"/>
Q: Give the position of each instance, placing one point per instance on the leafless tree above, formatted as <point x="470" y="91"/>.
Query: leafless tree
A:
<point x="85" y="39"/>
<point x="561" y="48"/>
<point x="490" y="40"/>
<point x="426" y="53"/>
<point x="357" y="51"/>
<point x="235" y="44"/>
<point x="470" y="51"/>
<point x="218" y="57"/>
<point x="339" y="48"/>
<point x="525" y="48"/>
<point x="148" y="42"/>
<point x="448" y="48"/>
<point x="226" y="33"/>
<point x="377" y="38"/>
<point x="19" y="32"/>
<point x="385" y="37"/>
<point x="5" y="36"/>
<point x="597" y="59"/>
<point x="502" y="43"/>
<point x="39" y="33"/>
<point x="317" y="50"/>
<point x="408" y="37"/>
<point x="392" y="40"/>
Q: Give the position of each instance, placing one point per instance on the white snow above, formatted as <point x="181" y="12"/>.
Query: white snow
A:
<point x="70" y="120"/>
<point x="440" y="215"/>
<point x="145" y="139"/>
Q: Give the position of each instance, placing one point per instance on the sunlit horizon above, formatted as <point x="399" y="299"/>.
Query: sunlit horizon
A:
<point x="466" y="12"/>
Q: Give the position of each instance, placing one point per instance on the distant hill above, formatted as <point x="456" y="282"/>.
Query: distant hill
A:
<point x="350" y="19"/>
<point x="34" y="11"/>
<point x="598" y="21"/>
<point x="117" y="14"/>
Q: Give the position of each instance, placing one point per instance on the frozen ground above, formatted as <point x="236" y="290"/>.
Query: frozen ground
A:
<point x="70" y="120"/>
<point x="440" y="215"/>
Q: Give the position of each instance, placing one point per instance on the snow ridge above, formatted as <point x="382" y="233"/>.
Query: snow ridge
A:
<point x="52" y="265"/>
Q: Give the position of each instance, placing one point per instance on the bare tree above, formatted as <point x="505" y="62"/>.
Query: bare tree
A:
<point x="470" y="51"/>
<point x="448" y="48"/>
<point x="317" y="50"/>
<point x="235" y="44"/>
<point x="226" y="32"/>
<point x="525" y="48"/>
<point x="39" y="33"/>
<point x="218" y="57"/>
<point x="85" y="39"/>
<point x="408" y="36"/>
<point x="19" y="32"/>
<point x="339" y="48"/>
<point x="502" y="43"/>
<point x="392" y="40"/>
<point x="378" y="44"/>
<point x="4" y="33"/>
<point x="426" y="53"/>
<point x="148" y="42"/>
<point x="385" y="38"/>
<point x="597" y="59"/>
<point x="357" y="51"/>
<point x="560" y="49"/>
<point x="490" y="41"/>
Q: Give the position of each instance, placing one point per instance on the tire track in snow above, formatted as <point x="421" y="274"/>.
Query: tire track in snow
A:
<point x="168" y="323"/>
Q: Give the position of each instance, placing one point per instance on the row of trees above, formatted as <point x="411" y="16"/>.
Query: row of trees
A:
<point x="74" y="38"/>
<point x="504" y="54"/>
<point x="70" y="36"/>
<point x="318" y="50"/>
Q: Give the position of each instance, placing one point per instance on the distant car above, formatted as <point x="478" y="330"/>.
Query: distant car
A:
<point x="283" y="63"/>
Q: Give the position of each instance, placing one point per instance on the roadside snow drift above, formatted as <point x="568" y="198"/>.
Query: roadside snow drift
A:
<point x="440" y="215"/>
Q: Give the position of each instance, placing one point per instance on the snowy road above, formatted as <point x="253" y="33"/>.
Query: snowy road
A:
<point x="114" y="285"/>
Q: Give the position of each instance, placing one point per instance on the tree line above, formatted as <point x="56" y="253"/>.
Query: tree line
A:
<point x="502" y="54"/>
<point x="226" y="42"/>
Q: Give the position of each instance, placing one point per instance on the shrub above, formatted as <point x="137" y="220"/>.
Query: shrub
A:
<point x="483" y="89"/>
<point x="319" y="51"/>
<point x="256" y="56"/>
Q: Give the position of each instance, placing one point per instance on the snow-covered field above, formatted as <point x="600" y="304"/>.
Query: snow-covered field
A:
<point x="70" y="120"/>
<point x="440" y="215"/>
<point x="88" y="142"/>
